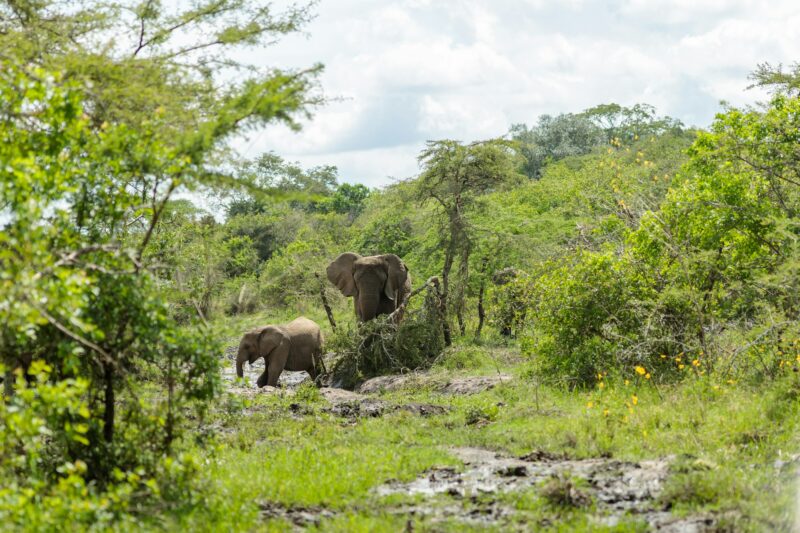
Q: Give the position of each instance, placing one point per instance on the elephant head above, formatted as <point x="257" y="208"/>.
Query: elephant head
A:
<point x="377" y="283"/>
<point x="266" y="342"/>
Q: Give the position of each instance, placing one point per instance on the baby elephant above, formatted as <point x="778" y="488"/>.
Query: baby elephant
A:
<point x="293" y="346"/>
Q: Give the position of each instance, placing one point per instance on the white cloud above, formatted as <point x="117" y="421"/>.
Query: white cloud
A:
<point x="467" y="69"/>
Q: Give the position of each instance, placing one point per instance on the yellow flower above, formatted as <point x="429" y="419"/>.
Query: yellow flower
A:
<point x="640" y="370"/>
<point x="647" y="376"/>
<point x="663" y="356"/>
<point x="696" y="362"/>
<point x="589" y="404"/>
<point x="635" y="399"/>
<point x="731" y="382"/>
<point x="599" y="376"/>
<point x="680" y="367"/>
<point x="605" y="412"/>
<point x="601" y="385"/>
<point x="627" y="382"/>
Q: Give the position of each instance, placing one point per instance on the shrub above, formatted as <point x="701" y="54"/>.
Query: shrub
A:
<point x="381" y="346"/>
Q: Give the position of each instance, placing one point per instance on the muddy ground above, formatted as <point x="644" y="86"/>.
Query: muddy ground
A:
<point x="482" y="492"/>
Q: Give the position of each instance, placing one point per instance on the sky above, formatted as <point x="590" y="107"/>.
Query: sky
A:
<point x="401" y="72"/>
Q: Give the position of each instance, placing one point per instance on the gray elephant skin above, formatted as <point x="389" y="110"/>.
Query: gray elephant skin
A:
<point x="377" y="283"/>
<point x="293" y="346"/>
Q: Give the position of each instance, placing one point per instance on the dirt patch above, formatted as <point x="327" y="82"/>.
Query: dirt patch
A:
<point x="465" y="385"/>
<point x="287" y="379"/>
<point x="474" y="385"/>
<point x="388" y="383"/>
<point x="300" y="516"/>
<point x="352" y="405"/>
<point x="618" y="488"/>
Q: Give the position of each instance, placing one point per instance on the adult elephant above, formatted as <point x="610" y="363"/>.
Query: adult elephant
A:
<point x="293" y="346"/>
<point x="377" y="283"/>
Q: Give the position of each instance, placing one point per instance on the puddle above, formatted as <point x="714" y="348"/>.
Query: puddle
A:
<point x="287" y="379"/>
<point x="618" y="488"/>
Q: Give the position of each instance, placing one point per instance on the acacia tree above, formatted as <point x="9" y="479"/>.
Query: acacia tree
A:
<point x="147" y="58"/>
<point x="84" y="182"/>
<point x="454" y="177"/>
<point x="554" y="138"/>
<point x="627" y="124"/>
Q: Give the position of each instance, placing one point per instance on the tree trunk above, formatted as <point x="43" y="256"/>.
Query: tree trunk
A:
<point x="108" y="415"/>
<point x="448" y="265"/>
<point x="325" y="303"/>
<point x="463" y="275"/>
<point x="481" y="310"/>
<point x="441" y="310"/>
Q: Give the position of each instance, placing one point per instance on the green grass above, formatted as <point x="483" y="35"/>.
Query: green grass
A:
<point x="725" y="440"/>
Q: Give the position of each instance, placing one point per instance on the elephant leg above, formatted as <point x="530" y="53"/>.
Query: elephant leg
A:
<point x="275" y="369"/>
<point x="263" y="379"/>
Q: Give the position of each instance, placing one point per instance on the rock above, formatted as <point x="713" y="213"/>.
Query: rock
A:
<point x="513" y="471"/>
<point x="423" y="409"/>
<point x="475" y="384"/>
<point x="540" y="456"/>
<point x="465" y="385"/>
<point x="298" y="515"/>
<point x="340" y="395"/>
<point x="385" y="383"/>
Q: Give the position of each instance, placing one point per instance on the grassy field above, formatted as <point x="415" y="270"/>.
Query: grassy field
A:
<point x="286" y="458"/>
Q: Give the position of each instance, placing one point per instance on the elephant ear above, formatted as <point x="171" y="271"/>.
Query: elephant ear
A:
<point x="340" y="273"/>
<point x="397" y="275"/>
<point x="253" y="338"/>
<point x="269" y="339"/>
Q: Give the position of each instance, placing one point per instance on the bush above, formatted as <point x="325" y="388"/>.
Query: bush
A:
<point x="381" y="346"/>
<point x="586" y="316"/>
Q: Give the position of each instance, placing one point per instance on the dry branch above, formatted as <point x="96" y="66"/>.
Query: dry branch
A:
<point x="325" y="303"/>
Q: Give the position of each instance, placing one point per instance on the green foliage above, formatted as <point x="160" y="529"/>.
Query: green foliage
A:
<point x="159" y="59"/>
<point x="776" y="79"/>
<point x="554" y="138"/>
<point x="585" y="310"/>
<point x="713" y="257"/>
<point x="629" y="124"/>
<point x="455" y="179"/>
<point x="78" y="289"/>
<point x="347" y="200"/>
<point x="382" y="346"/>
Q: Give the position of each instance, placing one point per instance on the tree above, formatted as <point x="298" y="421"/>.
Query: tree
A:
<point x="454" y="178"/>
<point x="554" y="138"/>
<point x="776" y="79"/>
<point x="628" y="124"/>
<point x="270" y="177"/>
<point x="78" y="290"/>
<point x="348" y="200"/>
<point x="167" y="63"/>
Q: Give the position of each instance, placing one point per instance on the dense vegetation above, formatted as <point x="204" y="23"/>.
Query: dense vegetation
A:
<point x="638" y="276"/>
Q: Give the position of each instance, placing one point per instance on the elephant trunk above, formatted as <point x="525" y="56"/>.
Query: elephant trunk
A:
<point x="240" y="359"/>
<point x="369" y="305"/>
